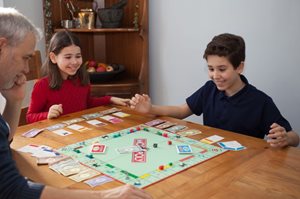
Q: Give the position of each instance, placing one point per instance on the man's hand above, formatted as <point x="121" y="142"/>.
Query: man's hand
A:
<point x="125" y="192"/>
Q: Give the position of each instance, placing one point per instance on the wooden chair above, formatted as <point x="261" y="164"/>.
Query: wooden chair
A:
<point x="35" y="64"/>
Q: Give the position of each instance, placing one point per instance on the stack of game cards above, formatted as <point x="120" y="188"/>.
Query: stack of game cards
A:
<point x="232" y="145"/>
<point x="73" y="169"/>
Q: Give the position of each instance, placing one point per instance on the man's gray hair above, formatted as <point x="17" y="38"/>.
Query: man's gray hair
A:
<point x="14" y="26"/>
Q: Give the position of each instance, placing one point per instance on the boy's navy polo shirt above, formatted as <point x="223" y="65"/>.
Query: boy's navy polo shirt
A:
<point x="250" y="111"/>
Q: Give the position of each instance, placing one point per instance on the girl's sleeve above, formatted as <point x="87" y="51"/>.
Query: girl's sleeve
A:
<point x="96" y="101"/>
<point x="38" y="102"/>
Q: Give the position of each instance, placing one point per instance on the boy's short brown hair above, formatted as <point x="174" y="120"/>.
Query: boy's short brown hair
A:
<point x="227" y="45"/>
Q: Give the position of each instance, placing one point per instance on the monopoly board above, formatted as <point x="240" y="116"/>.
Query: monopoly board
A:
<point x="158" y="158"/>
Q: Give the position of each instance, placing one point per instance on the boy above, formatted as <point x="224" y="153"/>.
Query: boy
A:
<point x="228" y="101"/>
<point x="17" y="41"/>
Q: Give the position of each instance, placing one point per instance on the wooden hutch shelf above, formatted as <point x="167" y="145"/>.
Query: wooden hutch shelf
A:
<point x="127" y="45"/>
<point x="99" y="30"/>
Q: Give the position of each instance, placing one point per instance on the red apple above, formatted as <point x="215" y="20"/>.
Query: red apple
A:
<point x="92" y="63"/>
<point x="101" y="69"/>
<point x="101" y="65"/>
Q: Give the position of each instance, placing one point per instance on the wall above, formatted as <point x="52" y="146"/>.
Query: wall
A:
<point x="180" y="31"/>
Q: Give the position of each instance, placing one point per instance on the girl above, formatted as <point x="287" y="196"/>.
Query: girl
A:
<point x="65" y="87"/>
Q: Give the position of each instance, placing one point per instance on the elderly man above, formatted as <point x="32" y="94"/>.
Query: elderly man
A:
<point x="18" y="38"/>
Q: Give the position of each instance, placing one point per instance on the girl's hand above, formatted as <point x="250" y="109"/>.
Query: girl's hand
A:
<point x="55" y="111"/>
<point x="119" y="101"/>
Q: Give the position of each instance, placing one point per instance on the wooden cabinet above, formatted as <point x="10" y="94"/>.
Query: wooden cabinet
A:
<point x="127" y="45"/>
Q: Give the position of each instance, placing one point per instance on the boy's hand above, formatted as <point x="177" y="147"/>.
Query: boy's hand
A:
<point x="119" y="101"/>
<point x="55" y="111"/>
<point x="277" y="136"/>
<point x="141" y="103"/>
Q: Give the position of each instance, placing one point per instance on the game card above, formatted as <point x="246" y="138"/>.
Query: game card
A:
<point x="189" y="132"/>
<point x="121" y="114"/>
<point x="111" y="119"/>
<point x="109" y="111"/>
<point x="96" y="123"/>
<point x="91" y="116"/>
<point x="72" y="121"/>
<point x="30" y="148"/>
<point x="86" y="174"/>
<point x="183" y="149"/>
<point x="98" y="148"/>
<point x="231" y="145"/>
<point x="32" y="133"/>
<point x="98" y="181"/>
<point x="48" y="160"/>
<point x="212" y="139"/>
<point x="176" y="128"/>
<point x="165" y="125"/>
<point x="77" y="127"/>
<point x="55" y="127"/>
<point x="39" y="150"/>
<point x="155" y="122"/>
<point x="62" y="132"/>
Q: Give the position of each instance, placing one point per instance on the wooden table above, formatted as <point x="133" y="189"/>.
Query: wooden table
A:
<point x="257" y="172"/>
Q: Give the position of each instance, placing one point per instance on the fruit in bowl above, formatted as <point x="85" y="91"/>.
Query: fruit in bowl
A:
<point x="101" y="67"/>
<point x="109" y="68"/>
<point x="91" y="69"/>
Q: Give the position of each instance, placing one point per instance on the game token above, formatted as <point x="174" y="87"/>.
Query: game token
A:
<point x="169" y="142"/>
<point x="137" y="183"/>
<point x="155" y="145"/>
<point x="77" y="150"/>
<point x="90" y="156"/>
<point x="161" y="167"/>
<point x="127" y="176"/>
<point x="181" y="164"/>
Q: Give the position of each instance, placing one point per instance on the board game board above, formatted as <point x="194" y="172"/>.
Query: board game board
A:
<point x="158" y="160"/>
